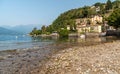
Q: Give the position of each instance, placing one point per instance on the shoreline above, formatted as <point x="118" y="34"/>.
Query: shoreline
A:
<point x="26" y="61"/>
<point x="96" y="59"/>
<point x="22" y="60"/>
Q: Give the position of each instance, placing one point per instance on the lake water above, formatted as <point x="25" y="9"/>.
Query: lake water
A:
<point x="8" y="42"/>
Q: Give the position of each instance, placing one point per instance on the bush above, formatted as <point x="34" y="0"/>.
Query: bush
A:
<point x="114" y="19"/>
<point x="63" y="33"/>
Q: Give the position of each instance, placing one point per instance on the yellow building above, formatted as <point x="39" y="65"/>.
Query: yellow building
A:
<point x="95" y="28"/>
<point x="93" y="24"/>
<point x="96" y="19"/>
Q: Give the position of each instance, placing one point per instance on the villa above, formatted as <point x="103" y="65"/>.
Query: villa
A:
<point x="93" y="24"/>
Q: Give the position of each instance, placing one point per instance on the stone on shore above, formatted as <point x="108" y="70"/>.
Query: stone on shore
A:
<point x="96" y="59"/>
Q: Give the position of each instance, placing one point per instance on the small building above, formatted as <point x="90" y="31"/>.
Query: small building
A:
<point x="92" y="24"/>
<point x="97" y="9"/>
<point x="95" y="28"/>
<point x="96" y="19"/>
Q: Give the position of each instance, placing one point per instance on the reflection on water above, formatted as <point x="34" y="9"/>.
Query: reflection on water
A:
<point x="73" y="41"/>
<point x="62" y="43"/>
<point x="19" y="42"/>
<point x="94" y="39"/>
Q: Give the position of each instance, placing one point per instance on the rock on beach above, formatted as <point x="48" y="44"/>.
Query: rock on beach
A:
<point x="92" y="59"/>
<point x="96" y="59"/>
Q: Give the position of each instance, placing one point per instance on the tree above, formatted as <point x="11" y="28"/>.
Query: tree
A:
<point x="49" y="29"/>
<point x="63" y="33"/>
<point x="114" y="19"/>
<point x="108" y="5"/>
<point x="117" y="4"/>
<point x="97" y="4"/>
<point x="34" y="29"/>
<point x="35" y="32"/>
<point x="43" y="28"/>
<point x="85" y="11"/>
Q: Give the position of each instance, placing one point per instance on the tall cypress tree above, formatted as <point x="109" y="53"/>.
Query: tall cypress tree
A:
<point x="108" y="5"/>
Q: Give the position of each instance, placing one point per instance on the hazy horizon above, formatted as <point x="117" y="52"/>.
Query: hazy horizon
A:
<point x="42" y="12"/>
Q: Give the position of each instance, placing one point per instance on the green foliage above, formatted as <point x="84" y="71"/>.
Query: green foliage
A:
<point x="108" y="5"/>
<point x="114" y="18"/>
<point x="116" y="4"/>
<point x="35" y="32"/>
<point x="63" y="33"/>
<point x="43" y="29"/>
<point x="49" y="29"/>
<point x="98" y="4"/>
<point x="68" y="17"/>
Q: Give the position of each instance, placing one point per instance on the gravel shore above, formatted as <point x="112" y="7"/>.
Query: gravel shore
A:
<point x="23" y="61"/>
<point x="96" y="59"/>
<point x="62" y="58"/>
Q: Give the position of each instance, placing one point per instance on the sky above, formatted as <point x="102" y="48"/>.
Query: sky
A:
<point x="44" y="12"/>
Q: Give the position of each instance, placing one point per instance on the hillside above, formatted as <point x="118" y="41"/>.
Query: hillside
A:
<point x="4" y="31"/>
<point x="25" y="28"/>
<point x="103" y="9"/>
<point x="68" y="17"/>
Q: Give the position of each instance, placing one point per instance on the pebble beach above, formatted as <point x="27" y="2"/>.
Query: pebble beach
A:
<point x="100" y="58"/>
<point x="96" y="59"/>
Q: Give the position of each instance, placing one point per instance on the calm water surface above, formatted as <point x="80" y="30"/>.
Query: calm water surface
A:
<point x="8" y="42"/>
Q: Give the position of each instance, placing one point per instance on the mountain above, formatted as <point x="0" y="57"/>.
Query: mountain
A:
<point x="4" y="31"/>
<point x="24" y="28"/>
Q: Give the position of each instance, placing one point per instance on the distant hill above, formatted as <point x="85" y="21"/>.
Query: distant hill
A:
<point x="24" y="28"/>
<point x="4" y="31"/>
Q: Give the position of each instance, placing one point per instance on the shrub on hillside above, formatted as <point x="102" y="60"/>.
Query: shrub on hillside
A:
<point x="63" y="33"/>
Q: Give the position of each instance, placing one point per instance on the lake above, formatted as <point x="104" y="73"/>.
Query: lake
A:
<point x="8" y="42"/>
